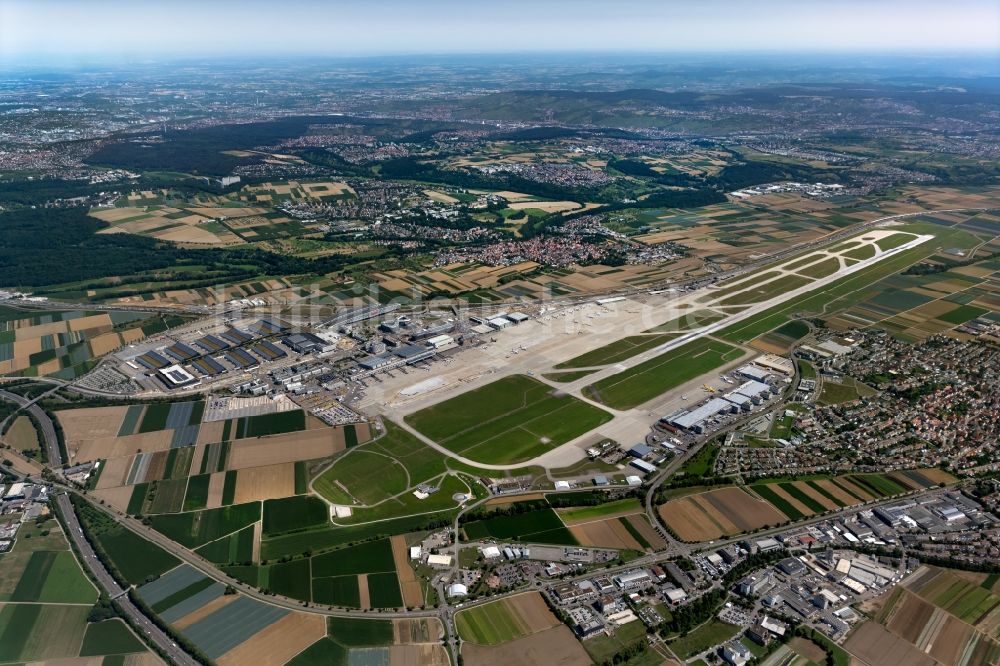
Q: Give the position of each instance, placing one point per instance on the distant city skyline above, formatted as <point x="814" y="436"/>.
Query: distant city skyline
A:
<point x="54" y="29"/>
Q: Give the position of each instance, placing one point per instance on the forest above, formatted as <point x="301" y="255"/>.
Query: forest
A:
<point x="56" y="246"/>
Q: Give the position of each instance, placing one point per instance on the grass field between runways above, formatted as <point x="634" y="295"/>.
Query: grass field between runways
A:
<point x="649" y="379"/>
<point x="508" y="421"/>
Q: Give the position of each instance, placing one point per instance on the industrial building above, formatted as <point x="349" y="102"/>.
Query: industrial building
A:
<point x="305" y="343"/>
<point x="234" y="336"/>
<point x="269" y="327"/>
<point x="440" y="341"/>
<point x="174" y="376"/>
<point x="180" y="352"/>
<point x="355" y="315"/>
<point x="751" y="371"/>
<point x="268" y="351"/>
<point x="211" y="344"/>
<point x="152" y="361"/>
<point x="208" y="366"/>
<point x="640" y="464"/>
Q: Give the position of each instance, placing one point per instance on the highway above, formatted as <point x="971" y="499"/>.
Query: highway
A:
<point x="48" y="430"/>
<point x="114" y="591"/>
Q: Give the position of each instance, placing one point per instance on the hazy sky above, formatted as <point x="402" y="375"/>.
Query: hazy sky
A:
<point x="158" y="28"/>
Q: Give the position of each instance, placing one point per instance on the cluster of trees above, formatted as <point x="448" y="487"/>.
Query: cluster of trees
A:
<point x="409" y="168"/>
<point x="685" y="618"/>
<point x="515" y="509"/>
<point x="46" y="247"/>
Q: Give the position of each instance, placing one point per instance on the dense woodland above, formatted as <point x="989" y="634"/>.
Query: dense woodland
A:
<point x="55" y="246"/>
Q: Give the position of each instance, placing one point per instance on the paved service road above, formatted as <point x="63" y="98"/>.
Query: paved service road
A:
<point x="108" y="584"/>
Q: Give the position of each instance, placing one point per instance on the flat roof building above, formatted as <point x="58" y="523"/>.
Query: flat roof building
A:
<point x="754" y="372"/>
<point x="174" y="376"/>
<point x="641" y="464"/>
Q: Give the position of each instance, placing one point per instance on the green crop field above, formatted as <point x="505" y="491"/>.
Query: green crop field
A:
<point x="166" y="496"/>
<point x="489" y="624"/>
<point x="337" y="591"/>
<point x="135" y="558"/>
<point x="383" y="589"/>
<point x="197" y="528"/>
<point x="180" y="595"/>
<point x="231" y="549"/>
<point x="962" y="314"/>
<point x="109" y="637"/>
<point x="54" y="577"/>
<point x="196" y="496"/>
<point x="39" y="632"/>
<point x="586" y="513"/>
<point x="616" y="351"/>
<point x="878" y="484"/>
<point x="294" y="513"/>
<point x="656" y="376"/>
<point x="792" y="490"/>
<point x="155" y="417"/>
<point x="270" y="424"/>
<point x="369" y="557"/>
<point x="539" y="526"/>
<point x="780" y="503"/>
<point x="291" y="579"/>
<point x="508" y="421"/>
<point x="343" y="634"/>
<point x="229" y="487"/>
<point x="323" y="652"/>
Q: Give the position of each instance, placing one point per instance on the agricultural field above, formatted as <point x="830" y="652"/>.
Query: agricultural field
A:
<point x="247" y="215"/>
<point x="478" y="283"/>
<point x="40" y="632"/>
<point x="166" y="458"/>
<point x="511" y="420"/>
<point x="876" y="294"/>
<point x="68" y="344"/>
<point x="370" y="574"/>
<point x="540" y="525"/>
<point x="40" y="568"/>
<point x="505" y="620"/>
<point x="705" y="515"/>
<point x="967" y="596"/>
<point x="649" y="379"/>
<point x="934" y="631"/>
<point x="371" y="641"/>
<point x="229" y="628"/>
<point x="781" y="339"/>
<point x="716" y="513"/>
<point x="135" y="559"/>
<point x="620" y="524"/>
<point x="22" y="436"/>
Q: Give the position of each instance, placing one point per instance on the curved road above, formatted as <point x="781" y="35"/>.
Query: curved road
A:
<point x="48" y="430"/>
